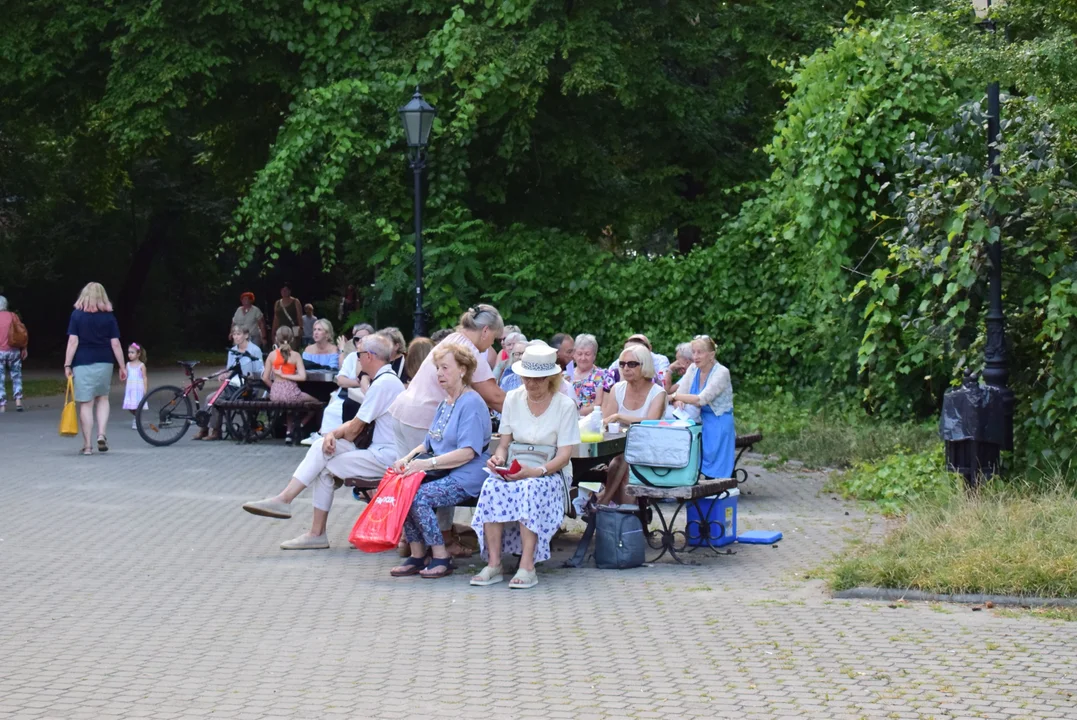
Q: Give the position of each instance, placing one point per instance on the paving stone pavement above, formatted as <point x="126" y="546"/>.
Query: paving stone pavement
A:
<point x="133" y="586"/>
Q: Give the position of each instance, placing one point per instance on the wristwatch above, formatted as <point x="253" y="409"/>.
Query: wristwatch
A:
<point x="433" y="463"/>
<point x="545" y="472"/>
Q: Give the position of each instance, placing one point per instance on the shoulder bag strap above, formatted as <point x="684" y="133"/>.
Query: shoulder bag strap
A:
<point x="580" y="555"/>
<point x="639" y="476"/>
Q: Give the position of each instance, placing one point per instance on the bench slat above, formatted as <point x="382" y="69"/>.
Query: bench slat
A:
<point x="266" y="405"/>
<point x="704" y="488"/>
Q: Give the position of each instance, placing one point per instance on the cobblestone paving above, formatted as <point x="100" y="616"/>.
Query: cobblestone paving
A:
<point x="132" y="585"/>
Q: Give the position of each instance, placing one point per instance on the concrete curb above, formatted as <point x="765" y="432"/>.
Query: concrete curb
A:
<point x="872" y="593"/>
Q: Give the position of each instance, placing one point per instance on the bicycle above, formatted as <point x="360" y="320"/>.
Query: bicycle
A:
<point x="165" y="413"/>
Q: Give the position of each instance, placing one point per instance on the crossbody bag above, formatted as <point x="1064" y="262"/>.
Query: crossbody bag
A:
<point x="531" y="455"/>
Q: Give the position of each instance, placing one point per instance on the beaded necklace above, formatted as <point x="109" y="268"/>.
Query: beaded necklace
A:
<point x="438" y="430"/>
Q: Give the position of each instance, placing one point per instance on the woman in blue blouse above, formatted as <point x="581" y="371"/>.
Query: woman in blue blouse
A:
<point x="322" y="352"/>
<point x="456" y="442"/>
<point x="706" y="385"/>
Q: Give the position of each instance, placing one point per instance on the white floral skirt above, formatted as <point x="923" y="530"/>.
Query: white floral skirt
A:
<point x="538" y="503"/>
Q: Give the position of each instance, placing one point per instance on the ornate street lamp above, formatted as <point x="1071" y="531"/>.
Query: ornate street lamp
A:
<point x="977" y="422"/>
<point x="418" y="119"/>
<point x="996" y="367"/>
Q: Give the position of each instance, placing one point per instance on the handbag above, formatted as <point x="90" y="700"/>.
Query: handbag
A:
<point x="621" y="542"/>
<point x="17" y="336"/>
<point x="348" y="411"/>
<point x="432" y="475"/>
<point x="69" y="417"/>
<point x="531" y="455"/>
<point x="382" y="521"/>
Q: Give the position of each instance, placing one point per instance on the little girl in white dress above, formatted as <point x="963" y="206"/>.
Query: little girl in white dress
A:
<point x="137" y="380"/>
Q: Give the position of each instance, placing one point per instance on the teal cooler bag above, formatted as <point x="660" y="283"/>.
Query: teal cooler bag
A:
<point x="663" y="455"/>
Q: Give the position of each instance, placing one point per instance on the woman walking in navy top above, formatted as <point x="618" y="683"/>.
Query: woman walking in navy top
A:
<point x="93" y="340"/>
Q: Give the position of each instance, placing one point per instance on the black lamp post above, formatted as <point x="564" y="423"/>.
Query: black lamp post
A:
<point x="418" y="118"/>
<point x="977" y="422"/>
<point x="996" y="367"/>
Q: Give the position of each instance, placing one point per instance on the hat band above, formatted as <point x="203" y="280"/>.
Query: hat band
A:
<point x="539" y="367"/>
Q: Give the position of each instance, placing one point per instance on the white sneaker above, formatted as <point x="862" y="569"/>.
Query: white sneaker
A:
<point x="306" y="541"/>
<point x="314" y="437"/>
<point x="134" y="424"/>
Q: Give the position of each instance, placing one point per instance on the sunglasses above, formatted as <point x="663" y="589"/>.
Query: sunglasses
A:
<point x="629" y="363"/>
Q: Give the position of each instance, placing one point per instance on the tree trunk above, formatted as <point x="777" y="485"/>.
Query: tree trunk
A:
<point x="689" y="234"/>
<point x="157" y="232"/>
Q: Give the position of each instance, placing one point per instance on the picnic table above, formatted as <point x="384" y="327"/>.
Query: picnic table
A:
<point x="320" y="384"/>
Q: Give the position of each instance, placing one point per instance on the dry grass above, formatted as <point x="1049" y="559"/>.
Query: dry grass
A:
<point x="1014" y="538"/>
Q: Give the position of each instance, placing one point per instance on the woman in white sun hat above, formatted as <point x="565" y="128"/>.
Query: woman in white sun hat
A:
<point x="521" y="512"/>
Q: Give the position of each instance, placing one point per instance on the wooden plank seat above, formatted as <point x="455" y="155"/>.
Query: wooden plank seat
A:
<point x="250" y="428"/>
<point x="665" y="539"/>
<point x="365" y="487"/>
<point x="268" y="405"/>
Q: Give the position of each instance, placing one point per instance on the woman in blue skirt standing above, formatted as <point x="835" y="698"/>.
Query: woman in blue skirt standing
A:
<point x="706" y="385"/>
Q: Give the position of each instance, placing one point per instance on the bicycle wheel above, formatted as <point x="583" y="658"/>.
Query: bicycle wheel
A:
<point x="163" y="416"/>
<point x="247" y="425"/>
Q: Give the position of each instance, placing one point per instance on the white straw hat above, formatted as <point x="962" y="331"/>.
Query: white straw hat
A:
<point x="539" y="360"/>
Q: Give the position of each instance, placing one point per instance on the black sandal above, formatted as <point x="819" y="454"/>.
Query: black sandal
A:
<point x="413" y="565"/>
<point x="436" y="563"/>
<point x="102" y="443"/>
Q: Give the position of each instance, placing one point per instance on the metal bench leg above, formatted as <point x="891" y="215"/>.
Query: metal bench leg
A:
<point x="739" y="473"/>
<point x="666" y="536"/>
<point x="703" y="531"/>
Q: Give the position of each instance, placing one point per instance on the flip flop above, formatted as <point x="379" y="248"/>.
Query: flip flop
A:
<point x="413" y="565"/>
<point x="102" y="443"/>
<point x="86" y="451"/>
<point x="524" y="579"/>
<point x="488" y="576"/>
<point x="437" y="563"/>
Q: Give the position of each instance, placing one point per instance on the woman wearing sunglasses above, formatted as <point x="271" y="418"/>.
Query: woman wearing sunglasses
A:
<point x="706" y="385"/>
<point x="633" y="399"/>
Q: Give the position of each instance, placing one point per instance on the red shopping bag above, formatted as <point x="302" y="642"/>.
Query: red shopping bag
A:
<point x="380" y="524"/>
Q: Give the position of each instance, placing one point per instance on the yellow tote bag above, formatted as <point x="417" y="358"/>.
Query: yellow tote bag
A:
<point x="69" y="418"/>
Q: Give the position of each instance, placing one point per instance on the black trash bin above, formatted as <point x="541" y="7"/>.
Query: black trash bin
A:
<point x="974" y="427"/>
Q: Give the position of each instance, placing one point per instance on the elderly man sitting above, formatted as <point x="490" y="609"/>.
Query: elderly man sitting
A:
<point x="336" y="453"/>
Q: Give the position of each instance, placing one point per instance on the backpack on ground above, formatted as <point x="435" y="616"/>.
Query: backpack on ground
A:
<point x="620" y="542"/>
<point x="17" y="336"/>
<point x="663" y="455"/>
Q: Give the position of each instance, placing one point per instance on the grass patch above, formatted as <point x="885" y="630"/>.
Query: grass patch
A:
<point x="820" y="433"/>
<point x="1012" y="538"/>
<point x="898" y="480"/>
<point x="1067" y="614"/>
<point x="40" y="388"/>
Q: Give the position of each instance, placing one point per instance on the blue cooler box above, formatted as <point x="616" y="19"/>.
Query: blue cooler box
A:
<point x="721" y="516"/>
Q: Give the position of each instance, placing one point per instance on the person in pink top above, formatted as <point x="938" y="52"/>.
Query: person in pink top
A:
<point x="10" y="358"/>
<point x="414" y="409"/>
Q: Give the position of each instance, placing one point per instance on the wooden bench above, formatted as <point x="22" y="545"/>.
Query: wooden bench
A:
<point x="665" y="538"/>
<point x="248" y="431"/>
<point x="744" y="443"/>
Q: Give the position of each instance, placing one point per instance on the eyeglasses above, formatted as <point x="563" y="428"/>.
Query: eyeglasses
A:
<point x="361" y="353"/>
<point x="629" y="363"/>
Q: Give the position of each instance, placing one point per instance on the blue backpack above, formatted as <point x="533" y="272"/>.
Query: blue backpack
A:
<point x="663" y="455"/>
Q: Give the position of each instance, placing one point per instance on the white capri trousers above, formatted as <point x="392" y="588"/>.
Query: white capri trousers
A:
<point x="407" y="439"/>
<point x="346" y="462"/>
